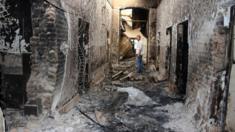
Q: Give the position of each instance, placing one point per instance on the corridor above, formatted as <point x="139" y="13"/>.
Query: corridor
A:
<point x="136" y="105"/>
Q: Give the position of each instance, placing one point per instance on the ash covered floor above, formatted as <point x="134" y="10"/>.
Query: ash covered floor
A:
<point x="134" y="104"/>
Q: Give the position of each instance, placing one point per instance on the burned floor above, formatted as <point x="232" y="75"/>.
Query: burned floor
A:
<point x="136" y="104"/>
<point x="71" y="66"/>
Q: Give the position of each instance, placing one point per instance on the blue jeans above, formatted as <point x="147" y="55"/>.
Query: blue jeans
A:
<point x="139" y="63"/>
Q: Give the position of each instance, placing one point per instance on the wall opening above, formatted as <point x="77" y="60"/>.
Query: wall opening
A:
<point x="83" y="56"/>
<point x="133" y="22"/>
<point x="182" y="57"/>
<point x="15" y="34"/>
<point x="168" y="52"/>
<point x="15" y="73"/>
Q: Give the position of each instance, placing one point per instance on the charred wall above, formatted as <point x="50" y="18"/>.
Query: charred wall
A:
<point x="152" y="35"/>
<point x="56" y="63"/>
<point x="207" y="52"/>
<point x="98" y="15"/>
<point x="49" y="34"/>
<point x="15" y="25"/>
<point x="15" y="34"/>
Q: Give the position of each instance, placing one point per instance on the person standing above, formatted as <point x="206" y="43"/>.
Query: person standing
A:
<point x="139" y="54"/>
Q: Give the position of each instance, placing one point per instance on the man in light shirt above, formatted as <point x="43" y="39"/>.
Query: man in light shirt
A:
<point x="139" y="53"/>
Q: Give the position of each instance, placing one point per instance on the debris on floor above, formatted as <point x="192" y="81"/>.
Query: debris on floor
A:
<point x="180" y="119"/>
<point x="126" y="71"/>
<point x="136" y="97"/>
<point x="117" y="74"/>
<point x="130" y="103"/>
<point x="119" y="109"/>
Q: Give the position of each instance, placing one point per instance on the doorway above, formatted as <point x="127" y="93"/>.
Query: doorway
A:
<point x="168" y="52"/>
<point x="182" y="58"/>
<point x="133" y="22"/>
<point x="15" y="58"/>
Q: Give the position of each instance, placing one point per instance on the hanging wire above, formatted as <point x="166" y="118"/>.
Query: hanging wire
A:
<point x="55" y="6"/>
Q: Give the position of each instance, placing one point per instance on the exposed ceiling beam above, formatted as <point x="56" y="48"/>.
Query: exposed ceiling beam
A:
<point x="118" y="4"/>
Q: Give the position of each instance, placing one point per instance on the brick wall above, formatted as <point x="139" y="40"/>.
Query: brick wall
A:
<point x="54" y="78"/>
<point x="98" y="15"/>
<point x="207" y="42"/>
<point x="49" y="33"/>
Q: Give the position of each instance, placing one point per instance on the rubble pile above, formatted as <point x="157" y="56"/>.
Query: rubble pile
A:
<point x="126" y="71"/>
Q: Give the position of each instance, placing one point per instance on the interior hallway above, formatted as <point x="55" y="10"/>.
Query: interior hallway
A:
<point x="136" y="104"/>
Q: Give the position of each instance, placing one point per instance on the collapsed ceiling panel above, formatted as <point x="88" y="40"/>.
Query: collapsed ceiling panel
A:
<point x="126" y="15"/>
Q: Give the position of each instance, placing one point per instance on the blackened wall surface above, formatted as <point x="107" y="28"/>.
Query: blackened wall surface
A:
<point x="15" y="34"/>
<point x="98" y="15"/>
<point x="55" y="68"/>
<point x="15" y="25"/>
<point x="207" y="44"/>
<point x="49" y="33"/>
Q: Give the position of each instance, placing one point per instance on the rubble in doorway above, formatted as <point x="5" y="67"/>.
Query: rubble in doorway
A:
<point x="126" y="71"/>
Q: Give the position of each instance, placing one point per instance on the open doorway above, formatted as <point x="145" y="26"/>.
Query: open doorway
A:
<point x="182" y="57"/>
<point x="168" y="52"/>
<point x="15" y="34"/>
<point x="133" y="22"/>
<point x="15" y="74"/>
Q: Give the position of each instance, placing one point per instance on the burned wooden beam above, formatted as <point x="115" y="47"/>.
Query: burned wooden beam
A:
<point x="117" y="74"/>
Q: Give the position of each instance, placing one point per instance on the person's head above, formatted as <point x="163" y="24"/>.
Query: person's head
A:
<point x="138" y="37"/>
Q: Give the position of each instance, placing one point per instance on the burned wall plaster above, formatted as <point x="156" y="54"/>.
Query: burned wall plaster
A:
<point x="207" y="44"/>
<point x="55" y="68"/>
<point x="15" y="26"/>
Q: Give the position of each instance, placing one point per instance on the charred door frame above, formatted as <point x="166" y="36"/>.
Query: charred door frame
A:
<point x="169" y="53"/>
<point x="182" y="57"/>
<point x="232" y="32"/>
<point x="230" y="62"/>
